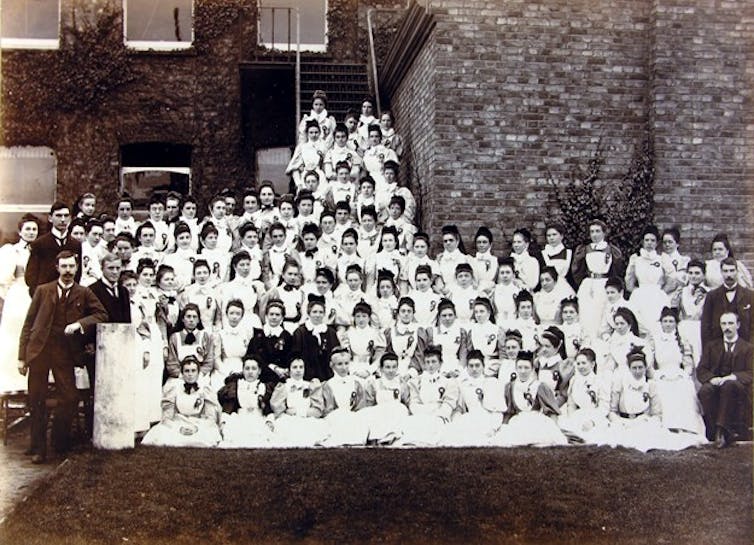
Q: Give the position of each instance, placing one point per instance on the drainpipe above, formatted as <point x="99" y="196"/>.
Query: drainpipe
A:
<point x="298" y="75"/>
<point x="372" y="56"/>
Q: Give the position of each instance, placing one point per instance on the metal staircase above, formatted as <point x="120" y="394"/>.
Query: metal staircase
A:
<point x="346" y="85"/>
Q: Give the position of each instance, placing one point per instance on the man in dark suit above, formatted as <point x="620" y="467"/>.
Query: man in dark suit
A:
<point x="725" y="374"/>
<point x="52" y="338"/>
<point x="42" y="259"/>
<point x="730" y="297"/>
<point x="112" y="296"/>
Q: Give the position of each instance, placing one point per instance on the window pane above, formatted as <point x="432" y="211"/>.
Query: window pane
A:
<point x="159" y="20"/>
<point x="27" y="176"/>
<point x="312" y="13"/>
<point x="36" y="19"/>
<point x="141" y="184"/>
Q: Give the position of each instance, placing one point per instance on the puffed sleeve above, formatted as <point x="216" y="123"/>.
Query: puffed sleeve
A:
<point x="169" y="393"/>
<point x="449" y="399"/>
<point x="172" y="365"/>
<point x="211" y="410"/>
<point x="655" y="407"/>
<point x="578" y="265"/>
<point x="548" y="403"/>
<point x="319" y="404"/>
<point x="631" y="274"/>
<point x="279" y="399"/>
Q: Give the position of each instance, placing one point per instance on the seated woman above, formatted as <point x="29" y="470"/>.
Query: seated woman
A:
<point x="191" y="339"/>
<point x="585" y="413"/>
<point x="622" y="340"/>
<point x="296" y="423"/>
<point x="314" y="340"/>
<point x="481" y="403"/>
<point x="547" y="299"/>
<point x="433" y="398"/>
<point x="512" y="345"/>
<point x="553" y="367"/>
<point x="246" y="420"/>
<point x="575" y="336"/>
<point x="230" y="344"/>
<point x="367" y="343"/>
<point x="189" y="412"/>
<point x="636" y="414"/>
<point x="391" y="395"/>
<point x="338" y="402"/>
<point x="531" y="412"/>
<point x="385" y="300"/>
<point x="525" y="321"/>
<point x="402" y="339"/>
<point x="484" y="335"/>
<point x="272" y="344"/>
<point x="449" y="337"/>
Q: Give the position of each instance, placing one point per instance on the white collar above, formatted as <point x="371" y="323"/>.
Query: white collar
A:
<point x="553" y="250"/>
<point x="270" y="331"/>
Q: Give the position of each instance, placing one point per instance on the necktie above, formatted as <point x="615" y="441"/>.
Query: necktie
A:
<point x="64" y="294"/>
<point x="729" y="346"/>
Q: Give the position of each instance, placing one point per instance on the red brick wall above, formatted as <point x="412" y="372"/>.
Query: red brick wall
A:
<point x="413" y="106"/>
<point x="523" y="88"/>
<point x="703" y="119"/>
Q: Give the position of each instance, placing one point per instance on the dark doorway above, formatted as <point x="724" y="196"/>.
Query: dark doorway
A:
<point x="269" y="102"/>
<point x="268" y="116"/>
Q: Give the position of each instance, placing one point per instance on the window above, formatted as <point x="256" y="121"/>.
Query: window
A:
<point x="154" y="167"/>
<point x="28" y="177"/>
<point x="277" y="24"/>
<point x="158" y="24"/>
<point x="29" y="24"/>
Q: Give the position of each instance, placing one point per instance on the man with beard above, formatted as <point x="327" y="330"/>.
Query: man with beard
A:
<point x="53" y="338"/>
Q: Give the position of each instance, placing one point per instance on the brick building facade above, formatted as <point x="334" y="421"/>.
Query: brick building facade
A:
<point x="495" y="97"/>
<point x="501" y="95"/>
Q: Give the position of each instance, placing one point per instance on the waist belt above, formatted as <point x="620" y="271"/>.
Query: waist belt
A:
<point x="630" y="415"/>
<point x="596" y="275"/>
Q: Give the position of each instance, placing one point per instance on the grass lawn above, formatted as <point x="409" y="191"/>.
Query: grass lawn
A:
<point x="578" y="495"/>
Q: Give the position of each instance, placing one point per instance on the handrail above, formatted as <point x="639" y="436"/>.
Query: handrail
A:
<point x="372" y="55"/>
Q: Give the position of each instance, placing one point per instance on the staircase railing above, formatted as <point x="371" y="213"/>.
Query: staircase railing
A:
<point x="372" y="62"/>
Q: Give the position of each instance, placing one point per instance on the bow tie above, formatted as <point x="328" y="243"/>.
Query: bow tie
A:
<point x="190" y="338"/>
<point x="268" y="206"/>
<point x="288" y="287"/>
<point x="188" y="388"/>
<point x="310" y="253"/>
<point x="171" y="299"/>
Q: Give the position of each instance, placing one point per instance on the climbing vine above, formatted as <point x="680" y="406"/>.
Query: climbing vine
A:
<point x="92" y="61"/>
<point x="626" y="206"/>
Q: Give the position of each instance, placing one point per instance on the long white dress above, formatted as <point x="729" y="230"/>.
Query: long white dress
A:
<point x="247" y="428"/>
<point x="197" y="411"/>
<point x="150" y="358"/>
<point x="386" y="418"/>
<point x="13" y="259"/>
<point x="648" y="299"/>
<point x="479" y="415"/>
<point x="675" y="387"/>
<point x="230" y="347"/>
<point x="291" y="401"/>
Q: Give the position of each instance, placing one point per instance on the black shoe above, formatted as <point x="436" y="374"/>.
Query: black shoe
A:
<point x="38" y="459"/>
<point x="721" y="439"/>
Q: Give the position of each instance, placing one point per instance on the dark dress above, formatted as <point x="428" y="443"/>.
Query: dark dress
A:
<point x="316" y="355"/>
<point x="275" y="349"/>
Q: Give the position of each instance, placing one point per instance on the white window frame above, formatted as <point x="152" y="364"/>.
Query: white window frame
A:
<point x="156" y="45"/>
<point x="32" y="43"/>
<point x="30" y="151"/>
<point x="316" y="48"/>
